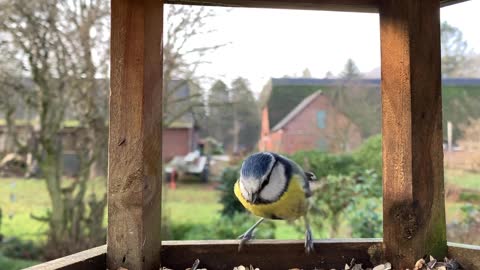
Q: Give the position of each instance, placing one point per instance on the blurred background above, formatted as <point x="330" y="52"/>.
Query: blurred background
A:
<point x="302" y="83"/>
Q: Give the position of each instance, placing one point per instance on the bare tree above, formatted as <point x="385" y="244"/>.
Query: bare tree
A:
<point x="457" y="59"/>
<point x="53" y="40"/>
<point x="9" y="100"/>
<point x="185" y="25"/>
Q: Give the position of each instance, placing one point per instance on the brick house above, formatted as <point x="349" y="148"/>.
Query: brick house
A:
<point x="314" y="123"/>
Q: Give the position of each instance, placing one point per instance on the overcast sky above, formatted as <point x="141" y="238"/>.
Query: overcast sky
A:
<point x="269" y="43"/>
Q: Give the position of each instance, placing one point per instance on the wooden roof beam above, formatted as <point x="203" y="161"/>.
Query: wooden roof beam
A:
<point x="330" y="5"/>
<point x="444" y="3"/>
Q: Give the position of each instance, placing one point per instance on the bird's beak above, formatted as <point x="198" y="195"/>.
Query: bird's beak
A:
<point x="254" y="197"/>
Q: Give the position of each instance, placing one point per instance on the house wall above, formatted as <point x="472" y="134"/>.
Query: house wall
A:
<point x="265" y="144"/>
<point x="176" y="141"/>
<point x="303" y="132"/>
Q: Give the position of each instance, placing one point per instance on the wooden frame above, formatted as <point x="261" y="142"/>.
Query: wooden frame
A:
<point x="135" y="138"/>
<point x="413" y="194"/>
<point x="414" y="210"/>
<point x="176" y="254"/>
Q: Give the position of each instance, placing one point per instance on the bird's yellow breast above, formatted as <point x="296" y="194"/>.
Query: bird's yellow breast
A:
<point x="291" y="205"/>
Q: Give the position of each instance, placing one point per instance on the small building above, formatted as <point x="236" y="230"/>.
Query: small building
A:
<point x="179" y="139"/>
<point x="313" y="124"/>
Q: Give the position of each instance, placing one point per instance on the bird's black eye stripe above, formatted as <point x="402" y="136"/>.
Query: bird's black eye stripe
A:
<point x="267" y="180"/>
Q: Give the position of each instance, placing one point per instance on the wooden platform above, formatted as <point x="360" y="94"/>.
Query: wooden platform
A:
<point x="264" y="254"/>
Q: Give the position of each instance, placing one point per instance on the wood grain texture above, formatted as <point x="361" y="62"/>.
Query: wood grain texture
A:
<point x="269" y="254"/>
<point x="333" y="5"/>
<point x="134" y="173"/>
<point x="89" y="259"/>
<point x="413" y="187"/>
<point x="467" y="255"/>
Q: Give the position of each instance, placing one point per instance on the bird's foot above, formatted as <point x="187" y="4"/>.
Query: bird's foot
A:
<point x="309" y="242"/>
<point x="244" y="238"/>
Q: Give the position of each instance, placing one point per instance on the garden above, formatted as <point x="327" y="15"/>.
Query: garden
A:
<point x="347" y="196"/>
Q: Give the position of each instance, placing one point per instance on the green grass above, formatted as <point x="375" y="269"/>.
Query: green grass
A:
<point x="30" y="198"/>
<point x="463" y="179"/>
<point x="191" y="203"/>
<point x="66" y="123"/>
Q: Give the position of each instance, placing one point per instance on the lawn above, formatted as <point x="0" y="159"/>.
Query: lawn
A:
<point x="463" y="179"/>
<point x="189" y="203"/>
<point x="21" y="198"/>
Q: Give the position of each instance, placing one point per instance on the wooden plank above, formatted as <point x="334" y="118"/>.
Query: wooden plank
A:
<point x="270" y="254"/>
<point x="332" y="5"/>
<point x="467" y="255"/>
<point x="413" y="188"/>
<point x="134" y="182"/>
<point x="94" y="258"/>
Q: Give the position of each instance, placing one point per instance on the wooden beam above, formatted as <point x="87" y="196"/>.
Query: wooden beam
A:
<point x="89" y="259"/>
<point x="413" y="188"/>
<point x="134" y="173"/>
<point x="180" y="254"/>
<point x="270" y="254"/>
<point x="467" y="255"/>
<point x="332" y="5"/>
<point x="446" y="3"/>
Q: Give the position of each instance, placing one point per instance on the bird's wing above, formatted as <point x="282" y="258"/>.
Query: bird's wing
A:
<point x="306" y="179"/>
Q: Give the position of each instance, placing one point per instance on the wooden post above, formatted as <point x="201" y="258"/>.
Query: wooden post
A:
<point x="413" y="188"/>
<point x="134" y="171"/>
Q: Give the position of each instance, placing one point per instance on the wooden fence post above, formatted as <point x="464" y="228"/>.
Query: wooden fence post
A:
<point x="134" y="170"/>
<point x="413" y="188"/>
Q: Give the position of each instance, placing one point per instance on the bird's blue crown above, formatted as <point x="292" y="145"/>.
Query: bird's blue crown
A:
<point x="257" y="165"/>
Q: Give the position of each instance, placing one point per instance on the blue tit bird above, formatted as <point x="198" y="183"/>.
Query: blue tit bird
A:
<point x="274" y="187"/>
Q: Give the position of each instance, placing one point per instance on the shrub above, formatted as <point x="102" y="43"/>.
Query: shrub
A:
<point x="369" y="155"/>
<point x="334" y="195"/>
<point x="237" y="224"/>
<point x="1" y="235"/>
<point x="16" y="248"/>
<point x="324" y="164"/>
<point x="13" y="264"/>
<point x="230" y="203"/>
<point x="366" y="222"/>
<point x="466" y="231"/>
<point x="469" y="196"/>
<point x="224" y="228"/>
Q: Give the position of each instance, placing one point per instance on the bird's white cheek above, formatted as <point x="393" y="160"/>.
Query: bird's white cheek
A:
<point x="243" y="190"/>
<point x="276" y="185"/>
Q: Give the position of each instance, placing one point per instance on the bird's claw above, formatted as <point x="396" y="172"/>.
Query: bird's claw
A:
<point x="244" y="238"/>
<point x="309" y="247"/>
